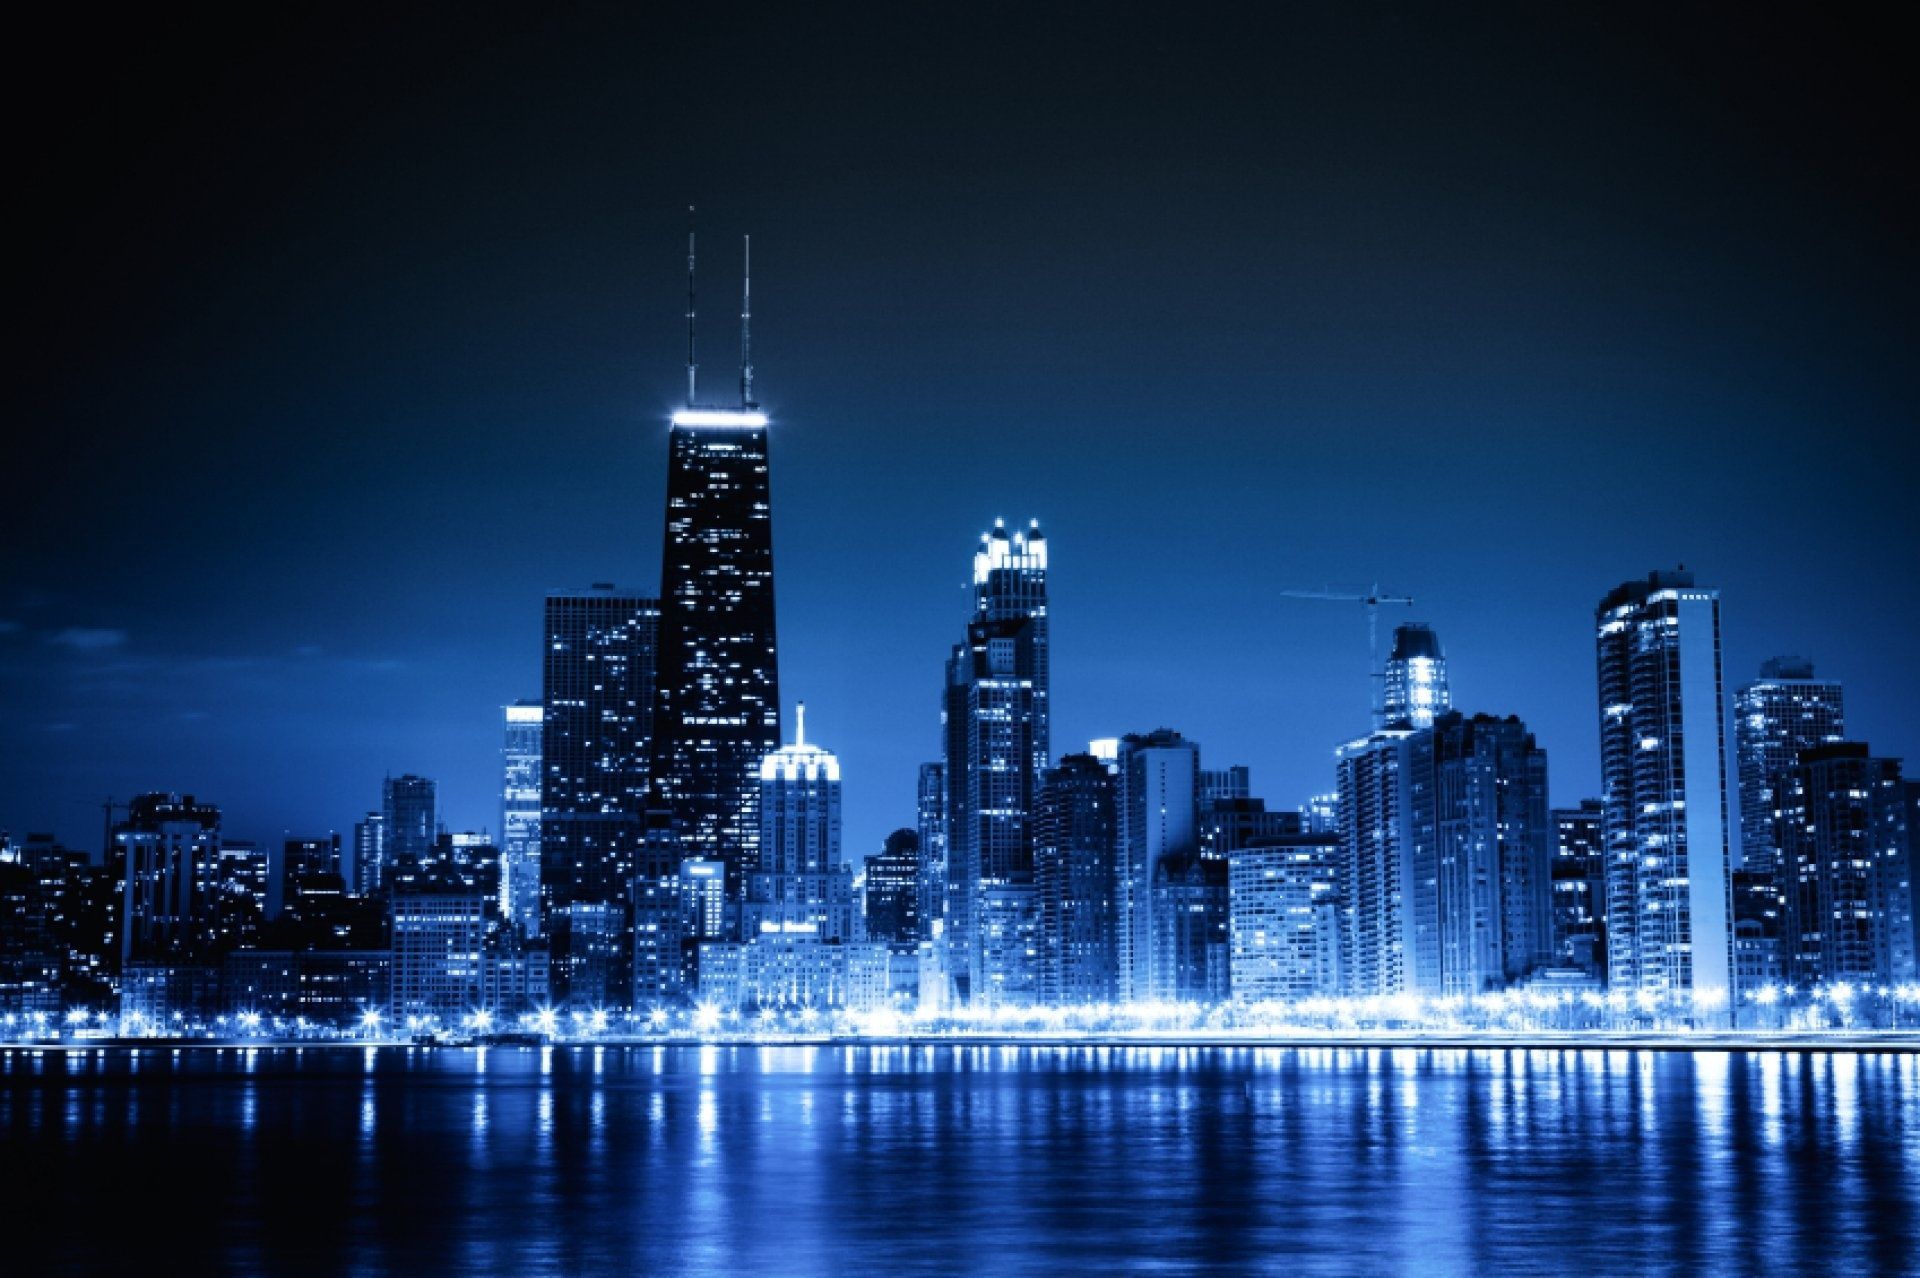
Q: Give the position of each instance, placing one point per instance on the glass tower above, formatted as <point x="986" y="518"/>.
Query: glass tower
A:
<point x="1416" y="677"/>
<point x="1664" y="782"/>
<point x="1784" y="711"/>
<point x="596" y="737"/>
<point x="520" y="817"/>
<point x="997" y="745"/>
<point x="718" y="708"/>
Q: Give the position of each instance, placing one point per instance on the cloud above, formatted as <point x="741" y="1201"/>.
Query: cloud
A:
<point x="10" y="627"/>
<point x="87" y="639"/>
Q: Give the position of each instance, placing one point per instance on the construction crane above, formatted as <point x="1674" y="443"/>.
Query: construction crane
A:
<point x="107" y="808"/>
<point x="1371" y="601"/>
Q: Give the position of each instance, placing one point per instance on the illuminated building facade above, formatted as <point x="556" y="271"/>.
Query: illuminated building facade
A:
<point x="168" y="846"/>
<point x="996" y="730"/>
<point x="1283" y="920"/>
<point x="893" y="892"/>
<point x="1075" y="846"/>
<point x="930" y="811"/>
<point x="410" y="807"/>
<point x="1846" y="868"/>
<point x="798" y="884"/>
<point x="1580" y="886"/>
<point x="1416" y="678"/>
<point x="1389" y="877"/>
<point x="1156" y="777"/>
<point x="1494" y="850"/>
<point x="718" y="706"/>
<point x="362" y="872"/>
<point x="520" y="816"/>
<point x="1783" y="712"/>
<point x="1664" y="783"/>
<point x="596" y="742"/>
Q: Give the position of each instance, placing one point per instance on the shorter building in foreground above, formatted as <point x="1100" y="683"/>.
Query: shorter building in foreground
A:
<point x="795" y="971"/>
<point x="1284" y="918"/>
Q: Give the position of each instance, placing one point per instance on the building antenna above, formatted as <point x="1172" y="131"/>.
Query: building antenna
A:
<point x="693" y="367"/>
<point x="746" y="326"/>
<point x="800" y="731"/>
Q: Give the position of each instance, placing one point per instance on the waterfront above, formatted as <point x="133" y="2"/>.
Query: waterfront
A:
<point x="953" y="1159"/>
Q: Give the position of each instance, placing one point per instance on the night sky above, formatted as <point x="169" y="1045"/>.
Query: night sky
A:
<point x="340" y="343"/>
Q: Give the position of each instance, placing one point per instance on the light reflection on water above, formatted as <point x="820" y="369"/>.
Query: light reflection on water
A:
<point x="925" y="1159"/>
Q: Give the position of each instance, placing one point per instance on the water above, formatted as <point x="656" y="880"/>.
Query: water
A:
<point x="799" y="1160"/>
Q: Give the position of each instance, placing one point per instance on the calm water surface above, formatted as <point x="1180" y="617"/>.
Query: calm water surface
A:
<point x="798" y="1160"/>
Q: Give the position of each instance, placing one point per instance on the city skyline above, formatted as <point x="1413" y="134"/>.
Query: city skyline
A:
<point x="1332" y="374"/>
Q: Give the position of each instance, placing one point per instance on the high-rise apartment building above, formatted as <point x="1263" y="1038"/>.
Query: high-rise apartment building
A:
<point x="1664" y="782"/>
<point x="1494" y="855"/>
<point x="1388" y="870"/>
<point x="520" y="801"/>
<point x="1846" y="868"/>
<point x="1580" y="886"/>
<point x="1284" y="919"/>
<point x="1074" y="863"/>
<point x="996" y="730"/>
<point x="1783" y="712"/>
<point x="1416" y="678"/>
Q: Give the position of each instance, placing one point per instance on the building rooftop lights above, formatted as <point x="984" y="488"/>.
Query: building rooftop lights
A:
<point x="736" y="417"/>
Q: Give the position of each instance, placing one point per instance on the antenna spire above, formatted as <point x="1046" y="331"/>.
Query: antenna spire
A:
<point x="800" y="731"/>
<point x="693" y="367"/>
<point x="746" y="326"/>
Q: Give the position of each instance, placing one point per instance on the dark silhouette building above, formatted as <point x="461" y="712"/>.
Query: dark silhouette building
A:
<point x="596" y="743"/>
<point x="1074" y="859"/>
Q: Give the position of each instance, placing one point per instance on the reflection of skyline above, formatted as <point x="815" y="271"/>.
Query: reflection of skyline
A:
<point x="810" y="1158"/>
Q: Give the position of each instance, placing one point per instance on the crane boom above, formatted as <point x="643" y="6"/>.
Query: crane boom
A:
<point x="1371" y="601"/>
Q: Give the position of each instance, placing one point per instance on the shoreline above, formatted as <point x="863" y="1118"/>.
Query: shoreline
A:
<point x="1883" y="1042"/>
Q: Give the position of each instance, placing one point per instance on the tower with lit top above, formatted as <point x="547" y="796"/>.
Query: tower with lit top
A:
<point x="997" y="738"/>
<point x="718" y="709"/>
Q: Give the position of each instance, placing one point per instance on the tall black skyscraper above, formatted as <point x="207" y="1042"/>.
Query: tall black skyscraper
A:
<point x="718" y="712"/>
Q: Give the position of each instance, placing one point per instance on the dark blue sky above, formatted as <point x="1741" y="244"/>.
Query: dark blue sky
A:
<point x="345" y="343"/>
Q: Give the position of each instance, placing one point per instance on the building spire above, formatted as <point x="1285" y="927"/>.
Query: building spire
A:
<point x="800" y="723"/>
<point x="746" y="326"/>
<point x="693" y="367"/>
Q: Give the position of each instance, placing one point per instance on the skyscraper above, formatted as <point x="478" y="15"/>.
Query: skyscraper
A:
<point x="169" y="846"/>
<point x="1580" y="885"/>
<point x="1074" y="851"/>
<point x="1156" y="783"/>
<point x="1416" y="677"/>
<point x="1783" y="712"/>
<point x="1845" y="868"/>
<point x="410" y="809"/>
<point x="1388" y="873"/>
<point x="520" y="816"/>
<point x="931" y="819"/>
<point x="893" y="892"/>
<point x="718" y="710"/>
<point x="1494" y="858"/>
<point x="369" y="854"/>
<point x="1664" y="782"/>
<point x="596" y="739"/>
<point x="996" y="729"/>
<point x="799" y="884"/>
